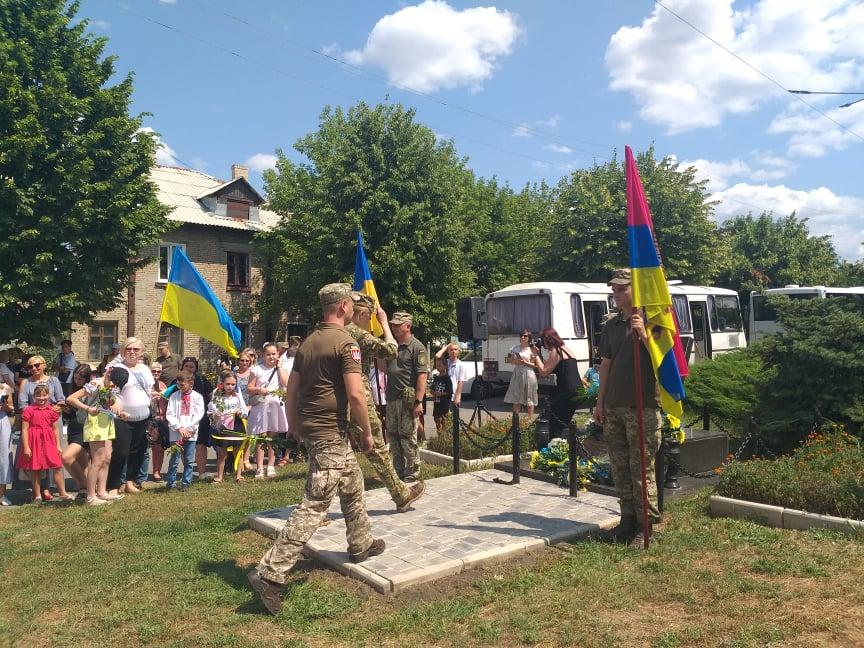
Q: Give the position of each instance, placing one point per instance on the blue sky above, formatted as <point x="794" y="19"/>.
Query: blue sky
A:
<point x="533" y="90"/>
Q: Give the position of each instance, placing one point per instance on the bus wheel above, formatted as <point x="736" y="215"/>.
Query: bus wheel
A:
<point x="480" y="389"/>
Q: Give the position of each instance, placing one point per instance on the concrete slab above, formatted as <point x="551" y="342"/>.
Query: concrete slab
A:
<point x="462" y="522"/>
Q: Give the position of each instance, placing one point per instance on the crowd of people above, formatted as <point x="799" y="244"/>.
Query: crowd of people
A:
<point x="120" y="419"/>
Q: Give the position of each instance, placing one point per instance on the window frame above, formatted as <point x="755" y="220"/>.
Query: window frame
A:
<point x="103" y="339"/>
<point x="726" y="328"/>
<point x="492" y="330"/>
<point x="247" y="279"/>
<point x="167" y="334"/>
<point x="169" y="247"/>
<point x="247" y="205"/>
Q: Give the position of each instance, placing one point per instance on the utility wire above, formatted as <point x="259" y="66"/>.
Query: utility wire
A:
<point x="758" y="71"/>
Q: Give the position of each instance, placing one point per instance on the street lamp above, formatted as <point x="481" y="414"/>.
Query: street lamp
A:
<point x="814" y="92"/>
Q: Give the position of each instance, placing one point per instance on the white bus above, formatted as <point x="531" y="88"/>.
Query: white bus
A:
<point x="763" y="318"/>
<point x="709" y="318"/>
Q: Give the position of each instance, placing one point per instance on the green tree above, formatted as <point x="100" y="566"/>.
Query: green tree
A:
<point x="587" y="238"/>
<point x="379" y="170"/>
<point x="815" y="364"/>
<point x="771" y="253"/>
<point x="75" y="197"/>
<point x="850" y="274"/>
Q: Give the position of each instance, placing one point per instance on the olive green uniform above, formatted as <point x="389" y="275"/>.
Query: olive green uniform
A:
<point x="411" y="360"/>
<point x="620" y="420"/>
<point x="372" y="348"/>
<point x="322" y="408"/>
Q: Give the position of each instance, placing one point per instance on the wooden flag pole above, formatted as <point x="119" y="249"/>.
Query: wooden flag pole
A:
<point x="640" y="426"/>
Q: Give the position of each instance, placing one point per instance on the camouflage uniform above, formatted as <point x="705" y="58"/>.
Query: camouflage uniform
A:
<point x="371" y="348"/>
<point x="622" y="437"/>
<point x="333" y="468"/>
<point x="411" y="360"/>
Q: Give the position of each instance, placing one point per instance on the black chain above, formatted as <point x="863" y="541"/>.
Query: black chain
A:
<point x="484" y="449"/>
<point x="708" y="474"/>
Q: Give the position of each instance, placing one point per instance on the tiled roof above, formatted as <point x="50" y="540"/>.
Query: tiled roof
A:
<point x="179" y="188"/>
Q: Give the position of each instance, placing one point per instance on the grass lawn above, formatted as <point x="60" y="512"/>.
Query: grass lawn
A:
<point x="169" y="570"/>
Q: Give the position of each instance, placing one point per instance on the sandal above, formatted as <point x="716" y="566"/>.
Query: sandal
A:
<point x="216" y="480"/>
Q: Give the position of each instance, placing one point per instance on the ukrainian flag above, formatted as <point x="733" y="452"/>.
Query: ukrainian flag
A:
<point x="651" y="292"/>
<point x="190" y="304"/>
<point x="363" y="282"/>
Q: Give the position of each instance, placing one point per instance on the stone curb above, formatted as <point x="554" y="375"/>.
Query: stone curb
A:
<point x="780" y="517"/>
<point x="438" y="459"/>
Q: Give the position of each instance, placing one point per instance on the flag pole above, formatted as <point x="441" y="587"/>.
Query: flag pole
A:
<point x="640" y="426"/>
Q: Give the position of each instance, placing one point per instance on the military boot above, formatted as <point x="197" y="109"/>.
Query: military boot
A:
<point x="626" y="529"/>
<point x="638" y="541"/>
<point x="374" y="549"/>
<point x="268" y="592"/>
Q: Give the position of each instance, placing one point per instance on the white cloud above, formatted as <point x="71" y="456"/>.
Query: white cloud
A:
<point x="559" y="148"/>
<point x="522" y="130"/>
<point x="261" y="161"/>
<point x="168" y="2"/>
<point x="625" y="126"/>
<point x="100" y="25"/>
<point x="526" y="129"/>
<point x="552" y="122"/>
<point x="841" y="217"/>
<point x="812" y="135"/>
<point x="683" y="81"/>
<point x="717" y="173"/>
<point x="432" y="45"/>
<point x="165" y="155"/>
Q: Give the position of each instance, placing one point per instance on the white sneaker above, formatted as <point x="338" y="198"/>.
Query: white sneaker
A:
<point x="259" y="474"/>
<point x="4" y="501"/>
<point x="271" y="471"/>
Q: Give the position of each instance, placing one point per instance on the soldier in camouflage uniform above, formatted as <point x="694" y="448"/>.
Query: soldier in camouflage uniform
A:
<point x="325" y="379"/>
<point x="406" y="388"/>
<point x="616" y="411"/>
<point x="372" y="348"/>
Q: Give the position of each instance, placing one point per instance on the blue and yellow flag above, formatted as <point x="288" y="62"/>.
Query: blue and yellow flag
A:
<point x="363" y="282"/>
<point x="190" y="304"/>
<point x="651" y="292"/>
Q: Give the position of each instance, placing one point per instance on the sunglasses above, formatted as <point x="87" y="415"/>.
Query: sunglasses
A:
<point x="523" y="335"/>
<point x="35" y="365"/>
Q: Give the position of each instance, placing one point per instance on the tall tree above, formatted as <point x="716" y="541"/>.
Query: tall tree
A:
<point x="377" y="169"/>
<point x="588" y="234"/>
<point x="75" y="197"/>
<point x="771" y="253"/>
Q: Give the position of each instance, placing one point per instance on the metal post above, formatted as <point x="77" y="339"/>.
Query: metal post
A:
<point x="517" y="444"/>
<point x="571" y="456"/>
<point x="454" y="412"/>
<point x="706" y="417"/>
<point x="673" y="448"/>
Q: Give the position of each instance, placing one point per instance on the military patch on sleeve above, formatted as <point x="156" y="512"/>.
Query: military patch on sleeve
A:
<point x="421" y="357"/>
<point x="355" y="353"/>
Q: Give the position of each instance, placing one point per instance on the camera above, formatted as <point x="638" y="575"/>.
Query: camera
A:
<point x="537" y="343"/>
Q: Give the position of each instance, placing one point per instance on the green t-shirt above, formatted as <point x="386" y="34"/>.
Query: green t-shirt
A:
<point x="411" y="360"/>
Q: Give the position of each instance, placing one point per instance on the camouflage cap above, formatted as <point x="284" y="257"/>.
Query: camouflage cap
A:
<point x="363" y="301"/>
<point x="620" y="277"/>
<point x="402" y="318"/>
<point x="334" y="293"/>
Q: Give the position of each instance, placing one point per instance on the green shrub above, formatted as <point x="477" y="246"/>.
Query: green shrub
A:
<point x="824" y="475"/>
<point x="493" y="430"/>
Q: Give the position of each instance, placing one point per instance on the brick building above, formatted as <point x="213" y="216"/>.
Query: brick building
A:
<point x="216" y="222"/>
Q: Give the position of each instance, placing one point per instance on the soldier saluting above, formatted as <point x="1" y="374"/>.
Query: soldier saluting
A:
<point x="326" y="379"/>
<point x="372" y="348"/>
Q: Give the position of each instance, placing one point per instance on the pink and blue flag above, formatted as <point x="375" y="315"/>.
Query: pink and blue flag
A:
<point x="651" y="292"/>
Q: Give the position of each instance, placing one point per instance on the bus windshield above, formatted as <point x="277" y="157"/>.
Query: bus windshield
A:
<point x="728" y="313"/>
<point x="509" y="315"/>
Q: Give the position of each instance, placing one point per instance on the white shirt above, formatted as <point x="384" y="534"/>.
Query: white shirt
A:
<point x="6" y="374"/>
<point x="177" y="418"/>
<point x="457" y="372"/>
<point x="232" y="403"/>
<point x="68" y="361"/>
<point x="135" y="396"/>
<point x="286" y="362"/>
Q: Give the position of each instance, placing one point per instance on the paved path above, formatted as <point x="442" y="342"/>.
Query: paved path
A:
<point x="461" y="522"/>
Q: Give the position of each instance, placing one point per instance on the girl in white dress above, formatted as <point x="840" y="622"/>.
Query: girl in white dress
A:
<point x="523" y="383"/>
<point x="267" y="411"/>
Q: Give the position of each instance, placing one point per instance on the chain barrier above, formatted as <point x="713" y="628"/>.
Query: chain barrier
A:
<point x="484" y="449"/>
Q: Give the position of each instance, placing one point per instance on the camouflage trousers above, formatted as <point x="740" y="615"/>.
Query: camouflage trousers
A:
<point x="379" y="458"/>
<point x="402" y="435"/>
<point x="333" y="470"/>
<point x="622" y="436"/>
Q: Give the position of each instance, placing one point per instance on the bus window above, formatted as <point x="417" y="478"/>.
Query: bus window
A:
<point x="596" y="314"/>
<point x="728" y="313"/>
<point x="679" y="302"/>
<point x="712" y="313"/>
<point x="509" y="315"/>
<point x="576" y="309"/>
<point x="762" y="310"/>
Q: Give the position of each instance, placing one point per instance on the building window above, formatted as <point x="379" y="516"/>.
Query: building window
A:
<point x="166" y="256"/>
<point x="238" y="270"/>
<point x="238" y="209"/>
<point x="173" y="336"/>
<point x="102" y="336"/>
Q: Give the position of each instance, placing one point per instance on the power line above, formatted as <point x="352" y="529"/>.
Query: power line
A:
<point x="758" y="71"/>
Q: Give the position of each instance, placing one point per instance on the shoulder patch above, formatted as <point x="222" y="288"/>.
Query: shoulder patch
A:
<point x="355" y="353"/>
<point x="421" y="357"/>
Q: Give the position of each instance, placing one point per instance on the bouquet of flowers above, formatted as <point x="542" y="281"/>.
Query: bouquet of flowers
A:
<point x="672" y="429"/>
<point x="174" y="448"/>
<point x="554" y="460"/>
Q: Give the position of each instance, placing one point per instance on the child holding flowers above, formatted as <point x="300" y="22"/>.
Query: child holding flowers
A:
<point x="184" y="412"/>
<point x="40" y="441"/>
<point x="227" y="411"/>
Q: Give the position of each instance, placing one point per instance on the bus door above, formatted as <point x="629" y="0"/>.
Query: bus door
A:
<point x="701" y="330"/>
<point x="595" y="315"/>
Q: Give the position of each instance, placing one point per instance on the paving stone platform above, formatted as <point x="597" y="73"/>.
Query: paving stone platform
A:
<point x="461" y="522"/>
